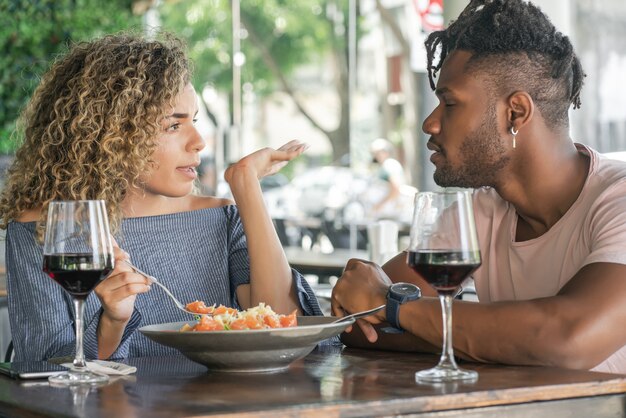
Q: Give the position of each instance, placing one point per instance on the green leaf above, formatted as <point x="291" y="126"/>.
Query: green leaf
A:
<point x="33" y="32"/>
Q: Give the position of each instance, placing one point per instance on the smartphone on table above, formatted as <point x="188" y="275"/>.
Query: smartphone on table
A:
<point x="30" y="369"/>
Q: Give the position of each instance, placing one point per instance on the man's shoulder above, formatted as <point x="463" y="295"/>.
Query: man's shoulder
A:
<point x="606" y="182"/>
<point x="610" y="170"/>
<point x="606" y="169"/>
<point x="603" y="199"/>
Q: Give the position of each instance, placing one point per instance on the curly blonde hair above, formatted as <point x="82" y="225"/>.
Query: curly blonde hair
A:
<point x="91" y="125"/>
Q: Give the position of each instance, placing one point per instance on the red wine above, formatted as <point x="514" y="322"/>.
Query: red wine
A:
<point x="443" y="270"/>
<point x="77" y="273"/>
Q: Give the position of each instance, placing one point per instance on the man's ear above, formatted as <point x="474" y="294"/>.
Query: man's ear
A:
<point x="521" y="108"/>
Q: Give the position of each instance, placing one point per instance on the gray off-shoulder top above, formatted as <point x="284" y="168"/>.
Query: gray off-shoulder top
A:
<point x="198" y="255"/>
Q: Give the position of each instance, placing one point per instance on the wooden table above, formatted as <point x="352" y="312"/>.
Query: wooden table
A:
<point x="327" y="383"/>
<point x="324" y="265"/>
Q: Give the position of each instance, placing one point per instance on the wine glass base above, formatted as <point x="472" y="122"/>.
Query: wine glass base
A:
<point x="74" y="377"/>
<point x="440" y="374"/>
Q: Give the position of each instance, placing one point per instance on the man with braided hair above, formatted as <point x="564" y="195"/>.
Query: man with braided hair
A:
<point x="550" y="213"/>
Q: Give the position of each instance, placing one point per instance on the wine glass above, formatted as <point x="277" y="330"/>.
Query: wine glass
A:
<point x="444" y="251"/>
<point x="78" y="254"/>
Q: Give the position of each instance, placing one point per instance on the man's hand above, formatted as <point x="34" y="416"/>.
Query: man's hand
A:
<point x="363" y="285"/>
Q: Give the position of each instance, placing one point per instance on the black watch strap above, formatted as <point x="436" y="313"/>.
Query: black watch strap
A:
<point x="392" y="311"/>
<point x="397" y="294"/>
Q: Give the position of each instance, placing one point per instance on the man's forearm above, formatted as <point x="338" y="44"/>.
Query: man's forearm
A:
<point x="523" y="332"/>
<point x="393" y="342"/>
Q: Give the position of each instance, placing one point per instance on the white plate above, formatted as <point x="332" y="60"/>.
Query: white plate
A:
<point x="264" y="350"/>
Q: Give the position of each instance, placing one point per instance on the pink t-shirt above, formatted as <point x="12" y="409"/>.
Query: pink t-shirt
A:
<point x="593" y="230"/>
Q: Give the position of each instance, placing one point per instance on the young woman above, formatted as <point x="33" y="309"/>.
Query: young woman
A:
<point x="113" y="119"/>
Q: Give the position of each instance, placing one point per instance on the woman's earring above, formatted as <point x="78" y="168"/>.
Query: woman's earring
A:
<point x="514" y="133"/>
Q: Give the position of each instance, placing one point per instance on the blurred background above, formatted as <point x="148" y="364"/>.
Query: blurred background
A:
<point x="345" y="76"/>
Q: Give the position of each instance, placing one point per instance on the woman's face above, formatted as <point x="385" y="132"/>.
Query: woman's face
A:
<point x="178" y="149"/>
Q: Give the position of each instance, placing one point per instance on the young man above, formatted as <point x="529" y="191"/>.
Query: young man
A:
<point x="550" y="214"/>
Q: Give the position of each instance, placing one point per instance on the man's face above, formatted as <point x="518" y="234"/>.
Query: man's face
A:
<point x="464" y="129"/>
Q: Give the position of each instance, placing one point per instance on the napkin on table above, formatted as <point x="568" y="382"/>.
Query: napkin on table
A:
<point x="107" y="367"/>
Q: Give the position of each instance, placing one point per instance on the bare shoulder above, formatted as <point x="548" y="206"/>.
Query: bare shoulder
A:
<point x="206" y="202"/>
<point x="30" y="215"/>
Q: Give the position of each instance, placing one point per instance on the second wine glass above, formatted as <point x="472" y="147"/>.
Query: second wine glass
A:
<point x="444" y="251"/>
<point x="78" y="254"/>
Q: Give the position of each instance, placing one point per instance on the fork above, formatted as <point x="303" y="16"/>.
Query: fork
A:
<point x="153" y="279"/>
<point x="358" y="315"/>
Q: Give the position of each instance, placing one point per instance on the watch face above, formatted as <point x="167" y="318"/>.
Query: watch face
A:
<point x="404" y="288"/>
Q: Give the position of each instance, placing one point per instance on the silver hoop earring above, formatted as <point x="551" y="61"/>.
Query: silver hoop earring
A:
<point x="514" y="133"/>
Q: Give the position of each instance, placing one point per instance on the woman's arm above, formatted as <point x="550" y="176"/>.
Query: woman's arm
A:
<point x="40" y="311"/>
<point x="117" y="294"/>
<point x="271" y="279"/>
<point x="41" y="322"/>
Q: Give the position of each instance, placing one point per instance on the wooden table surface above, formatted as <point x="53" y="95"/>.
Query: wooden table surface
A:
<point x="327" y="383"/>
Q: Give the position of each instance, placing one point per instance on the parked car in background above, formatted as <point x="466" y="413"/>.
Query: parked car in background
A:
<point x="331" y="202"/>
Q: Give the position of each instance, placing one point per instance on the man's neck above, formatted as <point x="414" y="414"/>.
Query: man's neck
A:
<point x="543" y="185"/>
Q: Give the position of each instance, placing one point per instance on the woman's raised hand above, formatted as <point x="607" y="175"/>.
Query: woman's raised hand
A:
<point x="267" y="161"/>
<point x="271" y="279"/>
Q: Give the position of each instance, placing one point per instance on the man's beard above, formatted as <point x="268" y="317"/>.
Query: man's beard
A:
<point x="483" y="157"/>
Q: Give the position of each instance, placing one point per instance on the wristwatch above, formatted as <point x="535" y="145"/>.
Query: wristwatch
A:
<point x="398" y="294"/>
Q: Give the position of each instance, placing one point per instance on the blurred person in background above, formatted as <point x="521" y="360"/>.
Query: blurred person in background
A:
<point x="390" y="171"/>
<point x="207" y="179"/>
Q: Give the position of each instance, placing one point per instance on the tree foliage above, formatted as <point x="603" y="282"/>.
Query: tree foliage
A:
<point x="33" y="32"/>
<point x="276" y="37"/>
<point x="289" y="30"/>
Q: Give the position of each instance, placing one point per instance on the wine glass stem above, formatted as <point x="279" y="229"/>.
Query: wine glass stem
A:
<point x="447" y="353"/>
<point x="79" y="359"/>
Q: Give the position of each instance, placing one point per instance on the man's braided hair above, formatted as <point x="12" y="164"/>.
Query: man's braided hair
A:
<point x="517" y="48"/>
